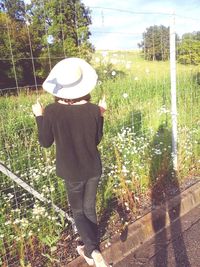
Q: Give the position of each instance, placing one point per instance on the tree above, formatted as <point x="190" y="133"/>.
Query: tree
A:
<point x="191" y="36"/>
<point x="155" y="44"/>
<point x="189" y="49"/>
<point x="11" y="51"/>
<point x="37" y="35"/>
<point x="63" y="27"/>
<point x="16" y="64"/>
<point x="6" y="64"/>
<point x="14" y="8"/>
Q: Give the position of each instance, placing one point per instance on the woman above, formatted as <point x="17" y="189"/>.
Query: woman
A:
<point x="76" y="127"/>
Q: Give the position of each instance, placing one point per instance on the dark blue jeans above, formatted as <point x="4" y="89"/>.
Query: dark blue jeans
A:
<point x="82" y="199"/>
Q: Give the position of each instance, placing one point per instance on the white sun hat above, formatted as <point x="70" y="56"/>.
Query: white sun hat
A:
<point x="71" y="78"/>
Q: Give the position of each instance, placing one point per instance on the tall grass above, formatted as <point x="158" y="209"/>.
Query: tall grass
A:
<point x="136" y="148"/>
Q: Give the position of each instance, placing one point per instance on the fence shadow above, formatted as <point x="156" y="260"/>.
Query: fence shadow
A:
<point x="164" y="184"/>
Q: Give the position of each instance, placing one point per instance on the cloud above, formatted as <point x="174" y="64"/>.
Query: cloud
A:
<point x="123" y="28"/>
<point x="111" y="41"/>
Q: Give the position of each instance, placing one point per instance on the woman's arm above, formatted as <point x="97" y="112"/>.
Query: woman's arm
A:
<point x="102" y="107"/>
<point x="45" y="133"/>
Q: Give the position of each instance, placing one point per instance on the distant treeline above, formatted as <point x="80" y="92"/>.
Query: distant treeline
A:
<point x="155" y="45"/>
<point x="35" y="36"/>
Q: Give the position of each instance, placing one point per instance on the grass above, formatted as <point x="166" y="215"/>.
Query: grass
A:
<point x="136" y="148"/>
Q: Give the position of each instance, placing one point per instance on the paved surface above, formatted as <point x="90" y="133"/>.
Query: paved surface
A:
<point x="164" y="237"/>
<point x="178" y="245"/>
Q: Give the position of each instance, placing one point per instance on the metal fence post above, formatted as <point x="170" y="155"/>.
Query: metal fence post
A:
<point x="173" y="90"/>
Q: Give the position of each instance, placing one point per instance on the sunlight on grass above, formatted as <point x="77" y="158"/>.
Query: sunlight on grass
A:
<point x="138" y="98"/>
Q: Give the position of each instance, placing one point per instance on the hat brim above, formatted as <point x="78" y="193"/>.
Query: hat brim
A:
<point x="83" y="87"/>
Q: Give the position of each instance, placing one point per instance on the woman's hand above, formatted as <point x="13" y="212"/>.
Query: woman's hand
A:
<point x="103" y="105"/>
<point x="37" y="109"/>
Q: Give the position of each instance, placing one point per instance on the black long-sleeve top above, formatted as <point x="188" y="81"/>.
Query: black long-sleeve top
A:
<point x="76" y="131"/>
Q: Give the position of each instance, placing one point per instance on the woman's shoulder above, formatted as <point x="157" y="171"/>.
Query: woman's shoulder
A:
<point x="50" y="107"/>
<point x="94" y="107"/>
<point x="95" y="110"/>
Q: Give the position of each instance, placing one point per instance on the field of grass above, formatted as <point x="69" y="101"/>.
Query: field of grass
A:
<point x="136" y="149"/>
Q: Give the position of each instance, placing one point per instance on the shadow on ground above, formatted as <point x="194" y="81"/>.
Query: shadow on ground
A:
<point x="164" y="184"/>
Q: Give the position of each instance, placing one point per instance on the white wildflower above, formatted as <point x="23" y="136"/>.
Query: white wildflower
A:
<point x="8" y="222"/>
<point x="163" y="110"/>
<point x="128" y="65"/>
<point x="104" y="53"/>
<point x="38" y="211"/>
<point x="16" y="221"/>
<point x="125" y="95"/>
<point x="27" y="22"/>
<point x="30" y="233"/>
<point x="147" y="71"/>
<point x="24" y="222"/>
<point x="97" y="59"/>
<point x="10" y="195"/>
<point x="50" y="39"/>
<point x="124" y="169"/>
<point x="113" y="61"/>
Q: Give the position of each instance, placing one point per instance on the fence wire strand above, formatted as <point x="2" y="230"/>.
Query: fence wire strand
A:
<point x="20" y="151"/>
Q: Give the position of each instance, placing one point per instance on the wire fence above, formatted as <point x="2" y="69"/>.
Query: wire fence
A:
<point x="35" y="216"/>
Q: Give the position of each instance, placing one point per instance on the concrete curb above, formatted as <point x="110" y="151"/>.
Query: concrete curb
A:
<point x="145" y="228"/>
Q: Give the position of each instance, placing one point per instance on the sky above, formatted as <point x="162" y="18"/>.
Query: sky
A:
<point x="118" y="25"/>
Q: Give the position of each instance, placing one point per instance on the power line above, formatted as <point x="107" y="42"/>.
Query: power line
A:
<point x="142" y="12"/>
<point x="129" y="11"/>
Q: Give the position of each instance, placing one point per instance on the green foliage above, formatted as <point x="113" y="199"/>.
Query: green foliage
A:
<point x="15" y="9"/>
<point x="66" y="22"/>
<point x="191" y="36"/>
<point x="189" y="49"/>
<point x="135" y="151"/>
<point x="34" y="38"/>
<point x="155" y="44"/>
<point x="10" y="32"/>
<point x="108" y="72"/>
<point x="196" y="77"/>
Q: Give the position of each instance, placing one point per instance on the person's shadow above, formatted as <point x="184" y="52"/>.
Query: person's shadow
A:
<point x="164" y="184"/>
